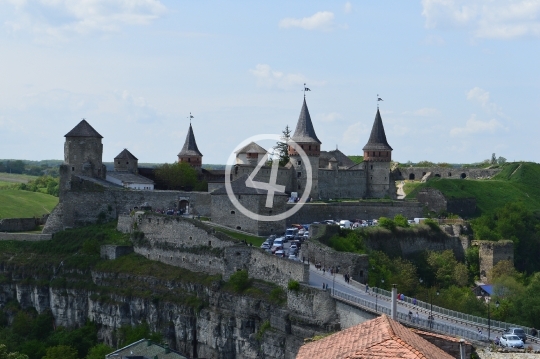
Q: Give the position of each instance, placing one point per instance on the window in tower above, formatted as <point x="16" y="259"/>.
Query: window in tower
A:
<point x="189" y="159"/>
<point x="299" y="163"/>
<point x="371" y="166"/>
<point x="299" y="174"/>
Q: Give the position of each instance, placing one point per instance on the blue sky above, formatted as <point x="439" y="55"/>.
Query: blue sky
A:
<point x="459" y="79"/>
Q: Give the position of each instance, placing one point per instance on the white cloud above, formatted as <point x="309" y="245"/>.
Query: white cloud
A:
<point x="425" y="112"/>
<point x="481" y="96"/>
<point x="268" y="77"/>
<point x="500" y="19"/>
<point x="328" y="117"/>
<point x="474" y="126"/>
<point x="62" y="18"/>
<point x="347" y="7"/>
<point x="322" y="20"/>
<point x="355" y="133"/>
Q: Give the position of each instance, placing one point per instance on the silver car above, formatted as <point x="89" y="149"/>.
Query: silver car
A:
<point x="511" y="341"/>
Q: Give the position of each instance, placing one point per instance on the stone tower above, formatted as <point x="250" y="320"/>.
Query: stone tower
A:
<point x="190" y="153"/>
<point x="83" y="151"/>
<point x="377" y="157"/>
<point x="125" y="161"/>
<point x="305" y="136"/>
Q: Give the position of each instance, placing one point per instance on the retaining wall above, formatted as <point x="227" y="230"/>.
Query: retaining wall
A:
<point x="18" y="224"/>
<point x="25" y="237"/>
<point x="317" y="212"/>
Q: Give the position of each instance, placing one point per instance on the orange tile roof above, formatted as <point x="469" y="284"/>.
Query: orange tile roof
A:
<point x="381" y="337"/>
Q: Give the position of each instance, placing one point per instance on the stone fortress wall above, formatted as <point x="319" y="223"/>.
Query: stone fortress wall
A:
<point x="490" y="253"/>
<point x="335" y="183"/>
<point x="416" y="173"/>
<point x="18" y="224"/>
<point x="192" y="245"/>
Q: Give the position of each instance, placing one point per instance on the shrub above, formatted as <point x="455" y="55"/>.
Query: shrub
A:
<point x="432" y="224"/>
<point x="239" y="281"/>
<point x="293" y="285"/>
<point x="401" y="221"/>
<point x="263" y="328"/>
<point x="387" y="223"/>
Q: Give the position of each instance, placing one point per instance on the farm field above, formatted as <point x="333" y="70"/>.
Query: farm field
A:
<point x="18" y="204"/>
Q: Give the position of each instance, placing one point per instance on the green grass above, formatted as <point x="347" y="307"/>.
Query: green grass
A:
<point x="25" y="204"/>
<point x="410" y="186"/>
<point x="517" y="182"/>
<point x="256" y="241"/>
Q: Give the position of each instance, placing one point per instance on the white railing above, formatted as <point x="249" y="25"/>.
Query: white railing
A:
<point x="449" y="314"/>
<point x="404" y="318"/>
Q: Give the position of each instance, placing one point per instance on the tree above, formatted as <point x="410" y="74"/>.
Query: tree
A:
<point x="61" y="352"/>
<point x="501" y="160"/>
<point x="493" y="159"/>
<point x="5" y="355"/>
<point x="281" y="149"/>
<point x="502" y="268"/>
<point x="99" y="351"/>
<point x="178" y="175"/>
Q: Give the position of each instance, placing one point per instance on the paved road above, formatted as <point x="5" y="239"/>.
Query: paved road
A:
<point x="317" y="278"/>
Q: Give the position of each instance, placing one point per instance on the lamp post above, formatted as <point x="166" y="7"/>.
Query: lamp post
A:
<point x="488" y="300"/>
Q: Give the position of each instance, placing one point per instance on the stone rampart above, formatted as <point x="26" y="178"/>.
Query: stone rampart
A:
<point x="416" y="173"/>
<point x="32" y="237"/>
<point x="317" y="212"/>
<point x="312" y="303"/>
<point x="490" y="253"/>
<point x="506" y="354"/>
<point x="192" y="245"/>
<point x="435" y="201"/>
<point x="87" y="201"/>
<point x="18" y="224"/>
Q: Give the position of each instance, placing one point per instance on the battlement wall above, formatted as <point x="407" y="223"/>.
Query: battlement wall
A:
<point x="342" y="183"/>
<point x="416" y="173"/>
<point x="18" y="224"/>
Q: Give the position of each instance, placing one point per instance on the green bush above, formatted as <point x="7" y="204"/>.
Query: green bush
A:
<point x="239" y="281"/>
<point x="387" y="223"/>
<point x="262" y="329"/>
<point x="401" y="221"/>
<point x="432" y="224"/>
<point x="277" y="295"/>
<point x="293" y="285"/>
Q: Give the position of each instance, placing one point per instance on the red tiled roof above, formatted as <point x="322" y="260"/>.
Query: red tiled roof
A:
<point x="378" y="338"/>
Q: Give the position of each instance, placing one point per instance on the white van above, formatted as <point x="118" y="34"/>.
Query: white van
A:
<point x="278" y="242"/>
<point x="291" y="233"/>
<point x="345" y="224"/>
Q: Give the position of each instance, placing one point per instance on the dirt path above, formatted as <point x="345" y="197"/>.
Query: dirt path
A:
<point x="400" y="192"/>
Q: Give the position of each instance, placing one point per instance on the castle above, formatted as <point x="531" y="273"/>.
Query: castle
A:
<point x="88" y="192"/>
<point x="333" y="174"/>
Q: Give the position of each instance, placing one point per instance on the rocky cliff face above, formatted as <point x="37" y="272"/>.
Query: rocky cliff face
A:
<point x="199" y="320"/>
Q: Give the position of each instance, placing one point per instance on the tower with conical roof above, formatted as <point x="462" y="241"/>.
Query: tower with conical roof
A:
<point x="83" y="151"/>
<point x="190" y="152"/>
<point x="304" y="135"/>
<point x="377" y="157"/>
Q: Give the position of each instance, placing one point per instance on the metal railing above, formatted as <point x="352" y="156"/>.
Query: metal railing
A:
<point x="449" y="314"/>
<point x="404" y="318"/>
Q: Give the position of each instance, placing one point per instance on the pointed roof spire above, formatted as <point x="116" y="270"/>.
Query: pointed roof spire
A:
<point x="190" y="146"/>
<point x="83" y="129"/>
<point x="304" y="128"/>
<point x="377" y="140"/>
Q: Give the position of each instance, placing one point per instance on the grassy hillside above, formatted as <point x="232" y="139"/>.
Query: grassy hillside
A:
<point x="7" y="179"/>
<point x="16" y="203"/>
<point x="517" y="182"/>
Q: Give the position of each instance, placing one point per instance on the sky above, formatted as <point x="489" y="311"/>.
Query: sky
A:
<point x="459" y="80"/>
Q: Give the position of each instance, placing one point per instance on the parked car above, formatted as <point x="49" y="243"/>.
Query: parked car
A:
<point x="511" y="341"/>
<point x="293" y="257"/>
<point x="276" y="248"/>
<point x="290" y="233"/>
<point x="517" y="331"/>
<point x="280" y="253"/>
<point x="266" y="245"/>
